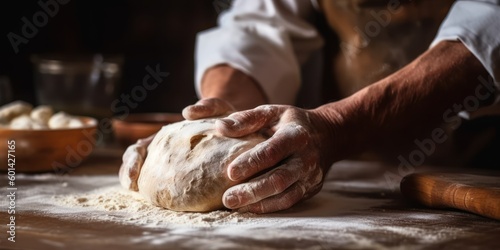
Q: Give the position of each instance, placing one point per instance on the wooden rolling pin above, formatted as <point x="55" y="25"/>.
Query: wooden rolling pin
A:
<point x="479" y="194"/>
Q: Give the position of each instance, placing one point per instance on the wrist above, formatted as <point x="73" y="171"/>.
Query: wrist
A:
<point x="330" y="120"/>
<point x="232" y="85"/>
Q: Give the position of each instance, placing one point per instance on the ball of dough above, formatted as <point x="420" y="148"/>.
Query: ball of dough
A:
<point x="62" y="120"/>
<point x="13" y="110"/>
<point x="42" y="114"/>
<point x="75" y="123"/>
<point x="26" y="122"/>
<point x="59" y="120"/>
<point x="186" y="166"/>
<point x="21" y="122"/>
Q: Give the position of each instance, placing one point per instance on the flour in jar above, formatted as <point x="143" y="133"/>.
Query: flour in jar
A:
<point x="123" y="206"/>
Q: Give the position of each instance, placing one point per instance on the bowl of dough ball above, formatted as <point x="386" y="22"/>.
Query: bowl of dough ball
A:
<point x="37" y="139"/>
<point x="130" y="128"/>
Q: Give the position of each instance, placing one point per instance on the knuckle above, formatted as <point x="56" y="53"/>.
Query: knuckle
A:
<point x="301" y="133"/>
<point x="296" y="133"/>
<point x="263" y="156"/>
<point x="252" y="163"/>
<point x="280" y="180"/>
<point x="307" y="161"/>
<point x="258" y="208"/>
<point x="310" y="168"/>
<point x="241" y="115"/>
<point x="270" y="151"/>
<point x="247" y="196"/>
<point x="313" y="175"/>
<point x="299" y="190"/>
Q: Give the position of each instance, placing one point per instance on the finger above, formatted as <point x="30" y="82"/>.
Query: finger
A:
<point x="279" y="202"/>
<point x="313" y="181"/>
<point x="144" y="142"/>
<point x="133" y="159"/>
<point x="205" y="108"/>
<point x="287" y="140"/>
<point x="133" y="150"/>
<point x="249" y="121"/>
<point x="266" y="185"/>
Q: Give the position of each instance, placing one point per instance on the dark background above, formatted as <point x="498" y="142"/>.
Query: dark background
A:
<point x="144" y="32"/>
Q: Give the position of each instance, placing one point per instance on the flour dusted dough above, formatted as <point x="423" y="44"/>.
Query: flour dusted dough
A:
<point x="185" y="169"/>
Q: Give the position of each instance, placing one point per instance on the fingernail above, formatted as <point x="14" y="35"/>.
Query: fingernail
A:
<point x="235" y="174"/>
<point x="232" y="201"/>
<point x="228" y="121"/>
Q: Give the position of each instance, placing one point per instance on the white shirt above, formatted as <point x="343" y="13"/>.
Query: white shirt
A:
<point x="271" y="39"/>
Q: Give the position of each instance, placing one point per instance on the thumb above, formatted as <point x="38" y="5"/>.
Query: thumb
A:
<point x="249" y="121"/>
<point x="206" y="108"/>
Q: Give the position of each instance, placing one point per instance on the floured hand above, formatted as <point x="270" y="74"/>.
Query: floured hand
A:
<point x="294" y="159"/>
<point x="133" y="159"/>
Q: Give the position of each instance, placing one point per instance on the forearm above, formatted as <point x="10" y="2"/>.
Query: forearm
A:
<point x="233" y="86"/>
<point x="405" y="103"/>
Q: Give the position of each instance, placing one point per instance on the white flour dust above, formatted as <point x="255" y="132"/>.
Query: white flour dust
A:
<point x="129" y="207"/>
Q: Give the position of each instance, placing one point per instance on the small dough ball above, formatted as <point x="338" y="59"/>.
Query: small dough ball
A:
<point x="14" y="109"/>
<point x="59" y="120"/>
<point x="42" y="114"/>
<point x="186" y="165"/>
<point x="26" y="122"/>
<point x="75" y="123"/>
<point x="62" y="120"/>
<point x="21" y="122"/>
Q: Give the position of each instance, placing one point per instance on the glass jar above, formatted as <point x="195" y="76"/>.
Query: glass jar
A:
<point x="79" y="85"/>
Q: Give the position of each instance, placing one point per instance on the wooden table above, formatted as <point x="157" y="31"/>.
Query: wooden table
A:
<point x="364" y="213"/>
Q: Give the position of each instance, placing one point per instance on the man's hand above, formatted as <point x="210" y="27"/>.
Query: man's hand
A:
<point x="288" y="167"/>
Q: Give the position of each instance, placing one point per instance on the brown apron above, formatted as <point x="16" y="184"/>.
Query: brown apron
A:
<point x="378" y="37"/>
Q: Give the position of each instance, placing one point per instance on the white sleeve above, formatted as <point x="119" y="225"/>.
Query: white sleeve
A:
<point x="477" y="24"/>
<point x="266" y="39"/>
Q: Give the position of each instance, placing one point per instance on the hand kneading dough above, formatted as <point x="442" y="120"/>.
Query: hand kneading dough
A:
<point x="185" y="169"/>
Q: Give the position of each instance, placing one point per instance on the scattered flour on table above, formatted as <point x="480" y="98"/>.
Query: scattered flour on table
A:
<point x="120" y="205"/>
<point x="329" y="220"/>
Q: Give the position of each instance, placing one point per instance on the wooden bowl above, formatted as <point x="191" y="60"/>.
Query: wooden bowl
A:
<point x="57" y="150"/>
<point x="137" y="126"/>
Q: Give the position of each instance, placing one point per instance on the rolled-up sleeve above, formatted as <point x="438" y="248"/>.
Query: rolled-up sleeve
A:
<point x="266" y="39"/>
<point x="477" y="25"/>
